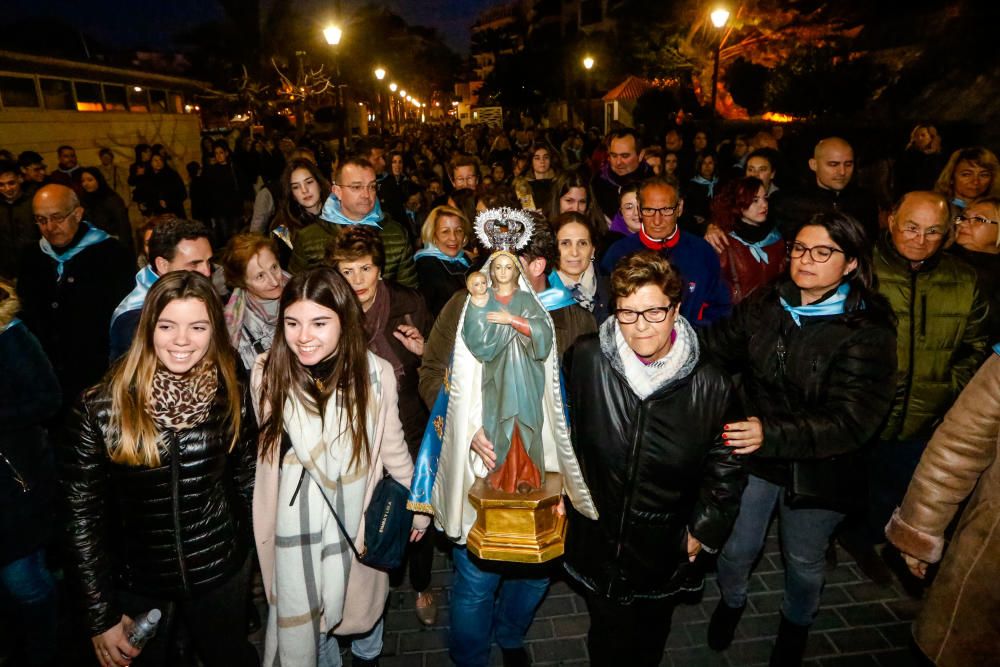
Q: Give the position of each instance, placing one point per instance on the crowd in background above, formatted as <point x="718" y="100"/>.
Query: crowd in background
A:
<point x="843" y="301"/>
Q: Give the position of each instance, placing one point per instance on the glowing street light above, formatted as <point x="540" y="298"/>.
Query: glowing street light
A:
<point x="402" y="93"/>
<point x="719" y="18"/>
<point x="588" y="63"/>
<point x="393" y="87"/>
<point x="333" y="33"/>
<point x="379" y="73"/>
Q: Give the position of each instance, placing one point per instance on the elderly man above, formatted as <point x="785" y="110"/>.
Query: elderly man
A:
<point x="706" y="296"/>
<point x="623" y="167"/>
<point x="941" y="340"/>
<point x="69" y="284"/>
<point x="832" y="190"/>
<point x="354" y="202"/>
<point x="175" y="245"/>
<point x="17" y="227"/>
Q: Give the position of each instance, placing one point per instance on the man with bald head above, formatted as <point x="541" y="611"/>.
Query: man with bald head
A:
<point x="941" y="341"/>
<point x="831" y="190"/>
<point x="69" y="283"/>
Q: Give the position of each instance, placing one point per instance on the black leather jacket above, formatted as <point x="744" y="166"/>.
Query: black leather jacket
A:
<point x="656" y="468"/>
<point x="173" y="531"/>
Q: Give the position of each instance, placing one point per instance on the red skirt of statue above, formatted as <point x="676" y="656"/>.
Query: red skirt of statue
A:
<point x="518" y="474"/>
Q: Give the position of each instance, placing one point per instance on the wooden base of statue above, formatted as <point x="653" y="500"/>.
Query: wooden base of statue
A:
<point x="516" y="527"/>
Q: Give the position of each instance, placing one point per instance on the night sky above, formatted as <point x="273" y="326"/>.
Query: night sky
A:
<point x="151" y="23"/>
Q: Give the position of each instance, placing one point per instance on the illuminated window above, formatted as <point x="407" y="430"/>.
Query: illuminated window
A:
<point x="17" y="91"/>
<point x="138" y="100"/>
<point x="58" y="95"/>
<point x="115" y="98"/>
<point x="88" y="96"/>
<point x="176" y="104"/>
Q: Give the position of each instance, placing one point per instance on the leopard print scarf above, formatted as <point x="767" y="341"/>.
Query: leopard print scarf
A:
<point x="183" y="401"/>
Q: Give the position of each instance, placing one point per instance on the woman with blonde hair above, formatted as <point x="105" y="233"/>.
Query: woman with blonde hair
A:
<point x="158" y="476"/>
<point x="329" y="426"/>
<point x="971" y="173"/>
<point x="442" y="264"/>
<point x="977" y="241"/>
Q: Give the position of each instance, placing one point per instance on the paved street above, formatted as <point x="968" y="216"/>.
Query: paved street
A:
<point x="860" y="624"/>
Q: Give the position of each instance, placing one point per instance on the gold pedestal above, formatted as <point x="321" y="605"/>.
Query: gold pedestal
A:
<point x="521" y="528"/>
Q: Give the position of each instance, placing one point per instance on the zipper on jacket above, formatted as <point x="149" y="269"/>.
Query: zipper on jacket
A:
<point x="175" y="497"/>
<point x="913" y="331"/>
<point x="923" y="314"/>
<point x="18" y="477"/>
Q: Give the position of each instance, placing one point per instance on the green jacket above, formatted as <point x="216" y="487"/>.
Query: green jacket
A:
<point x="941" y="336"/>
<point x="311" y="243"/>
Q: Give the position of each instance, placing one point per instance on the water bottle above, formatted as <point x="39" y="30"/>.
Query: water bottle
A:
<point x="143" y="628"/>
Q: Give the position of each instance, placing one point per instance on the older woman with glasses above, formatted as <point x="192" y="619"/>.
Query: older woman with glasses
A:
<point x="978" y="243"/>
<point x="647" y="411"/>
<point x="817" y="353"/>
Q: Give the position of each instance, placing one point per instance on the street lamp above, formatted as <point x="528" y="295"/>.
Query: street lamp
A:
<point x="393" y="87"/>
<point x="380" y="74"/>
<point x="588" y="64"/>
<point x="333" y="33"/>
<point x="719" y="18"/>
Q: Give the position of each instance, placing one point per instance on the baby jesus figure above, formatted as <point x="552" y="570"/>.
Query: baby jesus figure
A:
<point x="507" y="331"/>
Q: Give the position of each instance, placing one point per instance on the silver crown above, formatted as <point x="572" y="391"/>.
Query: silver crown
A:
<point x="504" y="228"/>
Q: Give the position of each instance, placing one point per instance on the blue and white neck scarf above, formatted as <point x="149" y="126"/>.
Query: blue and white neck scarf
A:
<point x="757" y="249"/>
<point x="334" y="212"/>
<point x="710" y="184"/>
<point x="434" y="251"/>
<point x="91" y="238"/>
<point x="958" y="202"/>
<point x="556" y="296"/>
<point x="834" y="305"/>
<point x="143" y="281"/>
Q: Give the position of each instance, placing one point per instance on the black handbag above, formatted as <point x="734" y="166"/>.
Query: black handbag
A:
<point x="387" y="526"/>
<point x="836" y="483"/>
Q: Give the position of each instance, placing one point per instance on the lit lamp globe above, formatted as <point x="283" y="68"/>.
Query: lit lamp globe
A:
<point x="588" y="63"/>
<point x="719" y="17"/>
<point x="393" y="87"/>
<point x="402" y="93"/>
<point x="333" y="34"/>
<point x="379" y="73"/>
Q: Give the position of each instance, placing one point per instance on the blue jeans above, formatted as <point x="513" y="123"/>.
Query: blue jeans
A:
<point x="479" y="613"/>
<point x="367" y="646"/>
<point x="28" y="586"/>
<point x="805" y="535"/>
<point x="891" y="464"/>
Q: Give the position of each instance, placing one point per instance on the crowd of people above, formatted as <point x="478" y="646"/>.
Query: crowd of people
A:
<point x="205" y="379"/>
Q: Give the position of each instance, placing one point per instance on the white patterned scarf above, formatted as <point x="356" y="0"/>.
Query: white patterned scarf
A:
<point x="646" y="379"/>
<point x="312" y="559"/>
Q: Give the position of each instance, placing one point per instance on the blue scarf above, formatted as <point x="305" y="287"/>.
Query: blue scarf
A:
<point x="834" y="305"/>
<point x="333" y="212"/>
<point x="556" y="296"/>
<point x="143" y="281"/>
<point x="757" y="249"/>
<point x="959" y="203"/>
<point x="10" y="325"/>
<point x="92" y="237"/>
<point x="710" y="184"/>
<point x="434" y="251"/>
<point x="996" y="348"/>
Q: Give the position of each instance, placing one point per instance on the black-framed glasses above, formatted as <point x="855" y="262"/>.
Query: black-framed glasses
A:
<point x="649" y="212"/>
<point x="974" y="220"/>
<point x="651" y="315"/>
<point x="820" y="254"/>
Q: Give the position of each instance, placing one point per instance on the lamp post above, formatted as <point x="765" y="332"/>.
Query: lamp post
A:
<point x="588" y="64"/>
<point x="379" y="75"/>
<point x="719" y="18"/>
<point x="332" y="33"/>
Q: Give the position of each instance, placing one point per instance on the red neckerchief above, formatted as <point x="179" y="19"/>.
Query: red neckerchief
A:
<point x="653" y="244"/>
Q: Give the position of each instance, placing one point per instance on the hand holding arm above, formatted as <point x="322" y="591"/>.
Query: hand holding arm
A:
<point x="716" y="238"/>
<point x="746" y="436"/>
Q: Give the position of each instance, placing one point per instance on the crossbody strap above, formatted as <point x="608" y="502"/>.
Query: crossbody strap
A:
<point x="336" y="517"/>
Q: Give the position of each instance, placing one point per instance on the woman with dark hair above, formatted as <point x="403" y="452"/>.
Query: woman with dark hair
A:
<point x="396" y="325"/>
<point x="158" y="475"/>
<point x="250" y="265"/>
<point x="137" y="169"/>
<point x="817" y="353"/>
<point x="104" y="208"/>
<point x="160" y="190"/>
<point x="571" y="193"/>
<point x="757" y="255"/>
<point x="540" y="174"/>
<point x="626" y="221"/>
<point x="442" y="264"/>
<point x="700" y="190"/>
<point x="222" y="183"/>
<point x="304" y="188"/>
<point x="329" y="427"/>
<point x="647" y="411"/>
<point x="576" y="270"/>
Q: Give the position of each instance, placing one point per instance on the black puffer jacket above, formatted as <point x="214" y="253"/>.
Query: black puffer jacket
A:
<point x="173" y="531"/>
<point x="820" y="390"/>
<point x="656" y="468"/>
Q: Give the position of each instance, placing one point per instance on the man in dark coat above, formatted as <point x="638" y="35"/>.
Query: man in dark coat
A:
<point x="69" y="283"/>
<point x="17" y="225"/>
<point x="623" y="167"/>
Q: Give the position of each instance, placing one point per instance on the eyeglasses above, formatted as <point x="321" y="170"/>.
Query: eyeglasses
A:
<point x="974" y="220"/>
<point x="820" y="254"/>
<point x="664" y="211"/>
<point x="357" y="189"/>
<point x="651" y="315"/>
<point x="55" y="218"/>
<point x="911" y="233"/>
